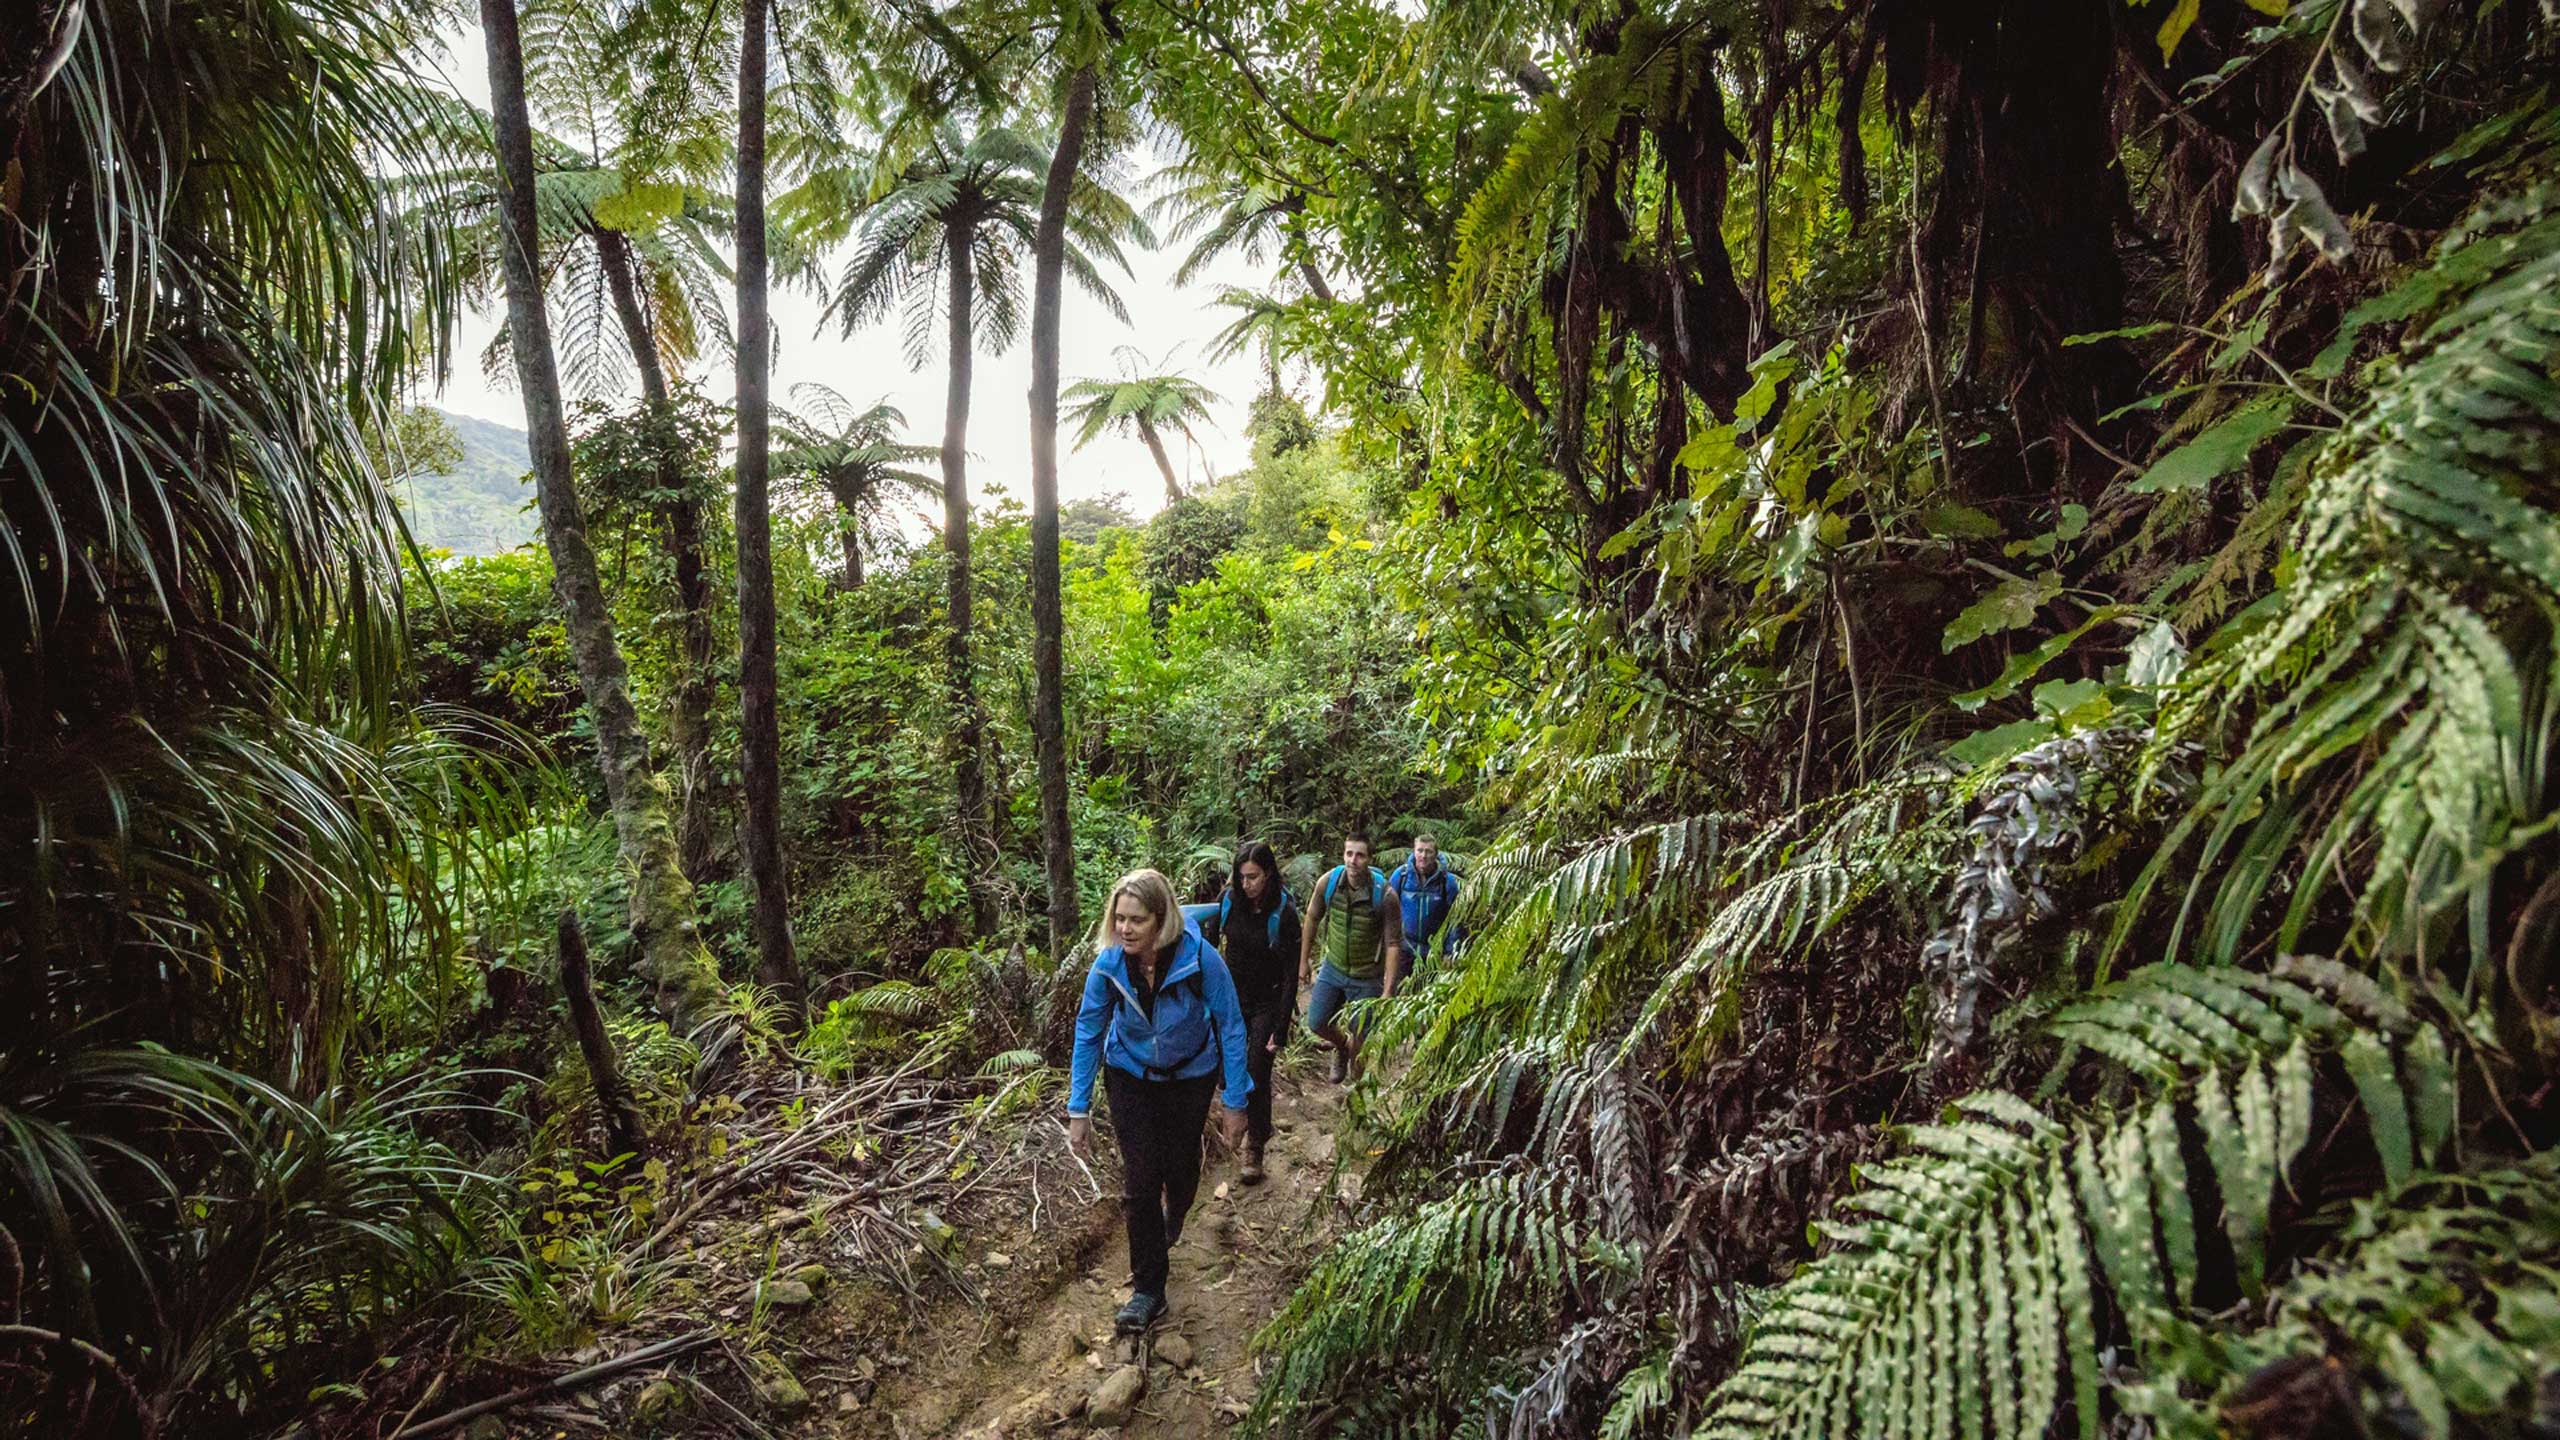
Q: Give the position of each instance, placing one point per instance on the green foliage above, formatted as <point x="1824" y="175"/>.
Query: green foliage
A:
<point x="1444" y="1287"/>
<point x="1964" y="1300"/>
<point x="2411" y="652"/>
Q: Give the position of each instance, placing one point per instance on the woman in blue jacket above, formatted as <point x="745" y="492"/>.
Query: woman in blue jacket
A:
<point x="1161" y="1024"/>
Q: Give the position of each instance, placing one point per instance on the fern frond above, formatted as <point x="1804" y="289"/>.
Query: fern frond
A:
<point x="2415" y="643"/>
<point x="1963" y="1296"/>
<point x="1443" y="1284"/>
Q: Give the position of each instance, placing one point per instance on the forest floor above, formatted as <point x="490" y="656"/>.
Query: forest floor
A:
<point x="1042" y="1364"/>
<point x="958" y="1288"/>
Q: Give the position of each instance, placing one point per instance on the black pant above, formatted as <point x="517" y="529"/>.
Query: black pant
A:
<point x="1159" y="1122"/>
<point x="1258" y="1030"/>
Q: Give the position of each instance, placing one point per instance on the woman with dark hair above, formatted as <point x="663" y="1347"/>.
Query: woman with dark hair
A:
<point x="1256" y="927"/>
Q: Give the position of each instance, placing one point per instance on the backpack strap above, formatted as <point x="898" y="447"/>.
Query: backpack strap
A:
<point x="1377" y="885"/>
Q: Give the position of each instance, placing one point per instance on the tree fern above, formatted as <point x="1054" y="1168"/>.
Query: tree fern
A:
<point x="1963" y="1300"/>
<point x="2415" y="631"/>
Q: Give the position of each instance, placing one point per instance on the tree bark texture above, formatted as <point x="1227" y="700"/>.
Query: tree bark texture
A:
<point x="968" y="724"/>
<point x="849" y="533"/>
<point x="777" y="964"/>
<point x="623" y="1132"/>
<point x="697" y="687"/>
<point x="662" y="910"/>
<point x="1164" y="462"/>
<point x="1048" y="619"/>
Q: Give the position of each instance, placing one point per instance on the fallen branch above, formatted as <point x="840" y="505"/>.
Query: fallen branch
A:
<point x="559" y="1384"/>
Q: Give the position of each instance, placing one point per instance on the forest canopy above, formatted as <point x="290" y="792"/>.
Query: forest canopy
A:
<point x="1970" y="588"/>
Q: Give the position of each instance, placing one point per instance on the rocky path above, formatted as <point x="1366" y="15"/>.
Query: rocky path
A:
<point x="1241" y="1250"/>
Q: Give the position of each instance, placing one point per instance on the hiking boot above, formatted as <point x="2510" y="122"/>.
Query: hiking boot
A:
<point x="1340" y="1070"/>
<point x="1252" y="1163"/>
<point x="1142" y="1311"/>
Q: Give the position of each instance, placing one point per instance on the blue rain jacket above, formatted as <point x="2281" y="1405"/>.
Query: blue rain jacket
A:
<point x="1197" y="1029"/>
<point x="1426" y="903"/>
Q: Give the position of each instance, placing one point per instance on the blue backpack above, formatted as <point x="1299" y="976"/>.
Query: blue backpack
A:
<point x="1377" y="886"/>
<point x="1226" y="903"/>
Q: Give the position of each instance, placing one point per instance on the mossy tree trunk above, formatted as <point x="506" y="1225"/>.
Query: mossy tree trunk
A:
<point x="697" y="687"/>
<point x="1048" y="619"/>
<point x="662" y="908"/>
<point x="777" y="960"/>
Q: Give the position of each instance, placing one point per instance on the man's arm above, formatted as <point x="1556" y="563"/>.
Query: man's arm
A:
<point x="1307" y="939"/>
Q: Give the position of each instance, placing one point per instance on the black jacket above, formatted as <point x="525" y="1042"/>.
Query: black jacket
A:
<point x="1266" y="974"/>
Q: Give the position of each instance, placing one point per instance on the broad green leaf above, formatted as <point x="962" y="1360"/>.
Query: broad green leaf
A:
<point x="2222" y="448"/>
<point x="2174" y="29"/>
<point x="1953" y="521"/>
<point x="2156" y="658"/>
<point x="2023" y="667"/>
<point x="2010" y="604"/>
<point x="2075" y="703"/>
<point x="1999" y="743"/>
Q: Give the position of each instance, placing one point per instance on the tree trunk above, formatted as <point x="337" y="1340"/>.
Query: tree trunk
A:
<point x="968" y="771"/>
<point x="1314" y="277"/>
<point x="622" y="1128"/>
<point x="777" y="966"/>
<point x="697" y="686"/>
<point x="849" y="531"/>
<point x="662" y="912"/>
<point x="1048" y="619"/>
<point x="848" y="498"/>
<point x="1164" y="462"/>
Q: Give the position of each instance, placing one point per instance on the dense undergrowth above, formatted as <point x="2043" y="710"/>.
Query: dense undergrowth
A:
<point x="1974" y="586"/>
<point x="1932" y="1052"/>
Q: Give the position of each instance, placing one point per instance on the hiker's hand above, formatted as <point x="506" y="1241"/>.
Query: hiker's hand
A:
<point x="1230" y="1127"/>
<point x="1080" y="1134"/>
<point x="1271" y="1046"/>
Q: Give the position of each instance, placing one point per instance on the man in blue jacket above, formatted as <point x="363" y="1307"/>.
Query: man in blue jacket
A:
<point x="1424" y="890"/>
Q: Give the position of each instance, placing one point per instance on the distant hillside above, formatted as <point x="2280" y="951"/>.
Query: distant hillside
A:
<point x="484" y="505"/>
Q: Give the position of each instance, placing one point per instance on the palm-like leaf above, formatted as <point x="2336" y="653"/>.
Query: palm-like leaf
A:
<point x="211" y="301"/>
<point x="831" y="451"/>
<point x="1165" y="401"/>
<point x="985" y="186"/>
<point x="674" y="232"/>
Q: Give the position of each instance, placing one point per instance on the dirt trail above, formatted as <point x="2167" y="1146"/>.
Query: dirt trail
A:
<point x="1240" y="1251"/>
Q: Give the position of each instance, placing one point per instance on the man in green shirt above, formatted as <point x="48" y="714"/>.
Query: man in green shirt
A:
<point x="1357" y="930"/>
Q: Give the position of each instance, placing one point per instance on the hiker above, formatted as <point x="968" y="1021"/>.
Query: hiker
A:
<point x="1424" y="889"/>
<point x="1256" y="927"/>
<point x="1361" y="939"/>
<point x="1160" y="1021"/>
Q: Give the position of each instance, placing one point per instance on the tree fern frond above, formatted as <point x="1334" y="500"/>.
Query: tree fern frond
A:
<point x="1437" y="1285"/>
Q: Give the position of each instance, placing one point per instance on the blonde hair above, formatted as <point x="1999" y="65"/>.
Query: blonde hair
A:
<point x="1154" y="894"/>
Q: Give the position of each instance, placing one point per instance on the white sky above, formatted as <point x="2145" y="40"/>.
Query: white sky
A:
<point x="1163" y="319"/>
